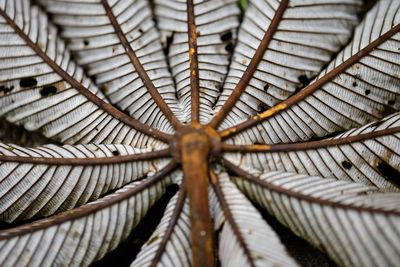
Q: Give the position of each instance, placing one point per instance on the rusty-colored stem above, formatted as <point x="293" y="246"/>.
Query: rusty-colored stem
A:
<point x="88" y="161"/>
<point x="139" y="67"/>
<point x="195" y="150"/>
<point x="108" y="108"/>
<point x="194" y="63"/>
<point x="264" y="148"/>
<point x="251" y="68"/>
<point x="279" y="189"/>
<point x="310" y="89"/>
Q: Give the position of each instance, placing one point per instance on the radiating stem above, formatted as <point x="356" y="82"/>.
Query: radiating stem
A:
<point x="87" y="209"/>
<point x="109" y="109"/>
<point x="246" y="176"/>
<point x="310" y="89"/>
<point x="311" y="144"/>
<point x="88" y="161"/>
<point x="229" y="217"/>
<point x="180" y="202"/>
<point x="251" y="68"/>
<point x="195" y="150"/>
<point x="194" y="63"/>
<point x="139" y="67"/>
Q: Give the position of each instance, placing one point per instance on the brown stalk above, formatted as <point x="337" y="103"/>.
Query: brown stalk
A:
<point x="135" y="124"/>
<point x="309" y="145"/>
<point x="139" y="67"/>
<point x="195" y="152"/>
<point x="251" y="68"/>
<point x="86" y="209"/>
<point x="194" y="63"/>
<point x="300" y="196"/>
<point x="88" y="161"/>
<point x="170" y="229"/>
<point x="302" y="94"/>
<point x="229" y="217"/>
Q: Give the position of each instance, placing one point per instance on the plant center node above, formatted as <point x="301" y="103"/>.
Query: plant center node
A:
<point x="196" y="137"/>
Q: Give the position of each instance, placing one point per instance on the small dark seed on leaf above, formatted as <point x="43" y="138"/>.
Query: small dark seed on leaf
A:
<point x="229" y="47"/>
<point x="262" y="107"/>
<point x="226" y="36"/>
<point x="48" y="91"/>
<point x="28" y="82"/>
<point x="304" y="80"/>
<point x="347" y="165"/>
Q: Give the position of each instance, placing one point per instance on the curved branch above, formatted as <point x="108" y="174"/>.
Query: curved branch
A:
<point x="114" y="112"/>
<point x="229" y="217"/>
<point x="308" y="145"/>
<point x="174" y="219"/>
<point x="194" y="62"/>
<point x="88" y="161"/>
<point x="275" y="188"/>
<point x="307" y="91"/>
<point x="139" y="67"/>
<point x="251" y="68"/>
<point x="87" y="209"/>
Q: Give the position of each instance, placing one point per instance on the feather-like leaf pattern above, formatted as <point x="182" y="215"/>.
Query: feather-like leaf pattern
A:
<point x="291" y="104"/>
<point x="34" y="66"/>
<point x="335" y="216"/>
<point x="372" y="160"/>
<point x="216" y="22"/>
<point x="359" y="86"/>
<point x="245" y="239"/>
<point x="98" y="49"/>
<point x="50" y="183"/>
<point x="84" y="234"/>
<point x="170" y="243"/>
<point x="304" y="40"/>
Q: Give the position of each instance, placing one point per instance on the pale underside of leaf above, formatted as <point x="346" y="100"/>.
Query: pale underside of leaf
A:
<point x="359" y="86"/>
<point x="120" y="47"/>
<point x="245" y="238"/>
<point x="98" y="49"/>
<point x="38" y="69"/>
<point x="170" y="243"/>
<point x="216" y="22"/>
<point x="373" y="161"/>
<point x="51" y="184"/>
<point x="83" y="235"/>
<point x="305" y="39"/>
<point x="354" y="229"/>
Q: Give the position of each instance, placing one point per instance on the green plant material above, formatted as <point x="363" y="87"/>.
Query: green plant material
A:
<point x="243" y="4"/>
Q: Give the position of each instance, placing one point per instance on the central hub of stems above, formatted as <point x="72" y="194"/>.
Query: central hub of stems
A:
<point x="210" y="136"/>
<point x="195" y="147"/>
